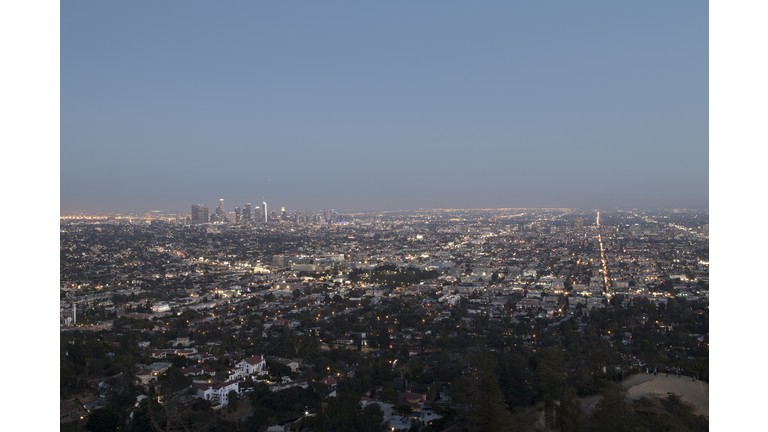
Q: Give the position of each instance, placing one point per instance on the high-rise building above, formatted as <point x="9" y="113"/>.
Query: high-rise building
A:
<point x="237" y="215"/>
<point x="282" y="214"/>
<point x="578" y="226"/>
<point x="199" y="214"/>
<point x="247" y="212"/>
<point x="266" y="215"/>
<point x="195" y="215"/>
<point x="220" y="211"/>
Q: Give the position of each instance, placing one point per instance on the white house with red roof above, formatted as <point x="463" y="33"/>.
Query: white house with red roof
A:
<point x="330" y="382"/>
<point x="204" y="357"/>
<point x="217" y="393"/>
<point x="144" y="376"/>
<point x="255" y="365"/>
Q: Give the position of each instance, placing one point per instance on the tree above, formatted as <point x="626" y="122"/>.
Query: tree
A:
<point x="233" y="399"/>
<point x="296" y="342"/>
<point x="388" y="395"/>
<point x="549" y="411"/>
<point x="372" y="418"/>
<point x="278" y="369"/>
<point x="103" y="420"/>
<point x="174" y="380"/>
<point x="383" y="337"/>
<point x="570" y="414"/>
<point x="550" y="368"/>
<point x="613" y="411"/>
<point x="488" y="410"/>
<point x="524" y="419"/>
<point x="403" y="409"/>
<point x="172" y="414"/>
<point x="179" y="361"/>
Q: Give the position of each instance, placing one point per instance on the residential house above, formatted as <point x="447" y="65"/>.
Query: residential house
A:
<point x="70" y="411"/>
<point x="255" y="365"/>
<point x="217" y="393"/>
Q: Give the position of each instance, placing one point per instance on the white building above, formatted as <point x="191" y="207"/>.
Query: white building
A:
<point x="161" y="307"/>
<point x="218" y="393"/>
<point x="251" y="366"/>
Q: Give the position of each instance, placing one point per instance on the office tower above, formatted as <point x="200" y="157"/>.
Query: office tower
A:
<point x="220" y="210"/>
<point x="199" y="214"/>
<point x="257" y="214"/>
<point x="237" y="215"/>
<point x="232" y="218"/>
<point x="282" y="213"/>
<point x="274" y="214"/>
<point x="326" y="216"/>
<point x="264" y="203"/>
<point x="247" y="212"/>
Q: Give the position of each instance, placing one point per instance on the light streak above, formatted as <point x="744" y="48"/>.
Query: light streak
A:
<point x="602" y="252"/>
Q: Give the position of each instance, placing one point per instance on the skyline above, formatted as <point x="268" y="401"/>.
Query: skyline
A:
<point x="211" y="211"/>
<point x="375" y="107"/>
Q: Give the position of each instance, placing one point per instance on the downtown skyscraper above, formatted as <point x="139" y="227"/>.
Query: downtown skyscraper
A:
<point x="199" y="214"/>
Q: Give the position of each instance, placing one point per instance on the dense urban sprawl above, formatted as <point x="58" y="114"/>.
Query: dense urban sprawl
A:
<point x="424" y="320"/>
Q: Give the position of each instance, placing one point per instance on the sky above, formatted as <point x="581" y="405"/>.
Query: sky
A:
<point x="366" y="106"/>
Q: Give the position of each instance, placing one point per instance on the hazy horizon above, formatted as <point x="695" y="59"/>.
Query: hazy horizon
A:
<point x="384" y="106"/>
<point x="212" y="209"/>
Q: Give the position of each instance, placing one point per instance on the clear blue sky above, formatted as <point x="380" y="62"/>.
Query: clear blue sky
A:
<point x="384" y="105"/>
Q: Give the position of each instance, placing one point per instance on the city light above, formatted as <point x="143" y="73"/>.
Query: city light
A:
<point x="542" y="277"/>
